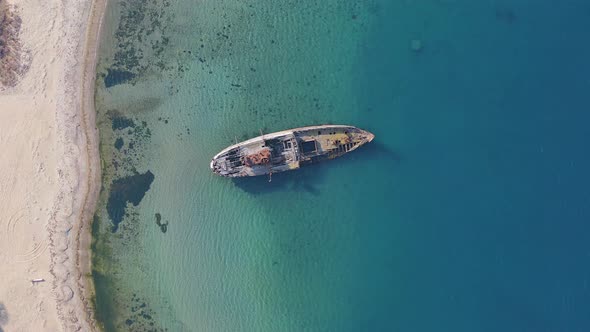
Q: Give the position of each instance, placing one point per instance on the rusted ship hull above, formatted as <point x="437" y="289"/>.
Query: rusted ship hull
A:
<point x="288" y="150"/>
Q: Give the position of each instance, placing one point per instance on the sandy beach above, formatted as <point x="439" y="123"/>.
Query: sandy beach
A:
<point x="49" y="168"/>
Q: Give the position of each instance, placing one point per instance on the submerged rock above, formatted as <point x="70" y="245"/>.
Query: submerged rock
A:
<point x="119" y="143"/>
<point x="130" y="189"/>
<point x="163" y="225"/>
<point x="119" y="121"/>
<point x="416" y="45"/>
<point x="116" y="76"/>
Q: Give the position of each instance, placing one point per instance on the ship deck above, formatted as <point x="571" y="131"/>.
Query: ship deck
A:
<point x="287" y="150"/>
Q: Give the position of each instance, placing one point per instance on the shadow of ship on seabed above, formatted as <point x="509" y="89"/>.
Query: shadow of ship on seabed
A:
<point x="307" y="178"/>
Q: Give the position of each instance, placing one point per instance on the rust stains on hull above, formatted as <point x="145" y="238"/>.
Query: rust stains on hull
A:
<point x="288" y="150"/>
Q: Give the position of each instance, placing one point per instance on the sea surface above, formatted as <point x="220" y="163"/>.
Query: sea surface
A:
<point x="469" y="212"/>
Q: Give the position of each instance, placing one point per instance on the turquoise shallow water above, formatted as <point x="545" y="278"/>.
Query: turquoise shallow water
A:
<point x="465" y="214"/>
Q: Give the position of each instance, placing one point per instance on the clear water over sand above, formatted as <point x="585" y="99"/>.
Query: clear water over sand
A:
<point x="465" y="214"/>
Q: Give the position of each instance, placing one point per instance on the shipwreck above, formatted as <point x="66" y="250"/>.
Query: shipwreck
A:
<point x="288" y="150"/>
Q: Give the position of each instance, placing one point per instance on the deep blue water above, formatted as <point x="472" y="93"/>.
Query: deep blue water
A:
<point x="469" y="211"/>
<point x="492" y="191"/>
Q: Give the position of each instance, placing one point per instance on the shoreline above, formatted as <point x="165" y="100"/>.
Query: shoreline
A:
<point x="76" y="311"/>
<point x="84" y="253"/>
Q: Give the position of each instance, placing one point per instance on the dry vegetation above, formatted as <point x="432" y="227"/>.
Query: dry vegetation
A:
<point x="12" y="59"/>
